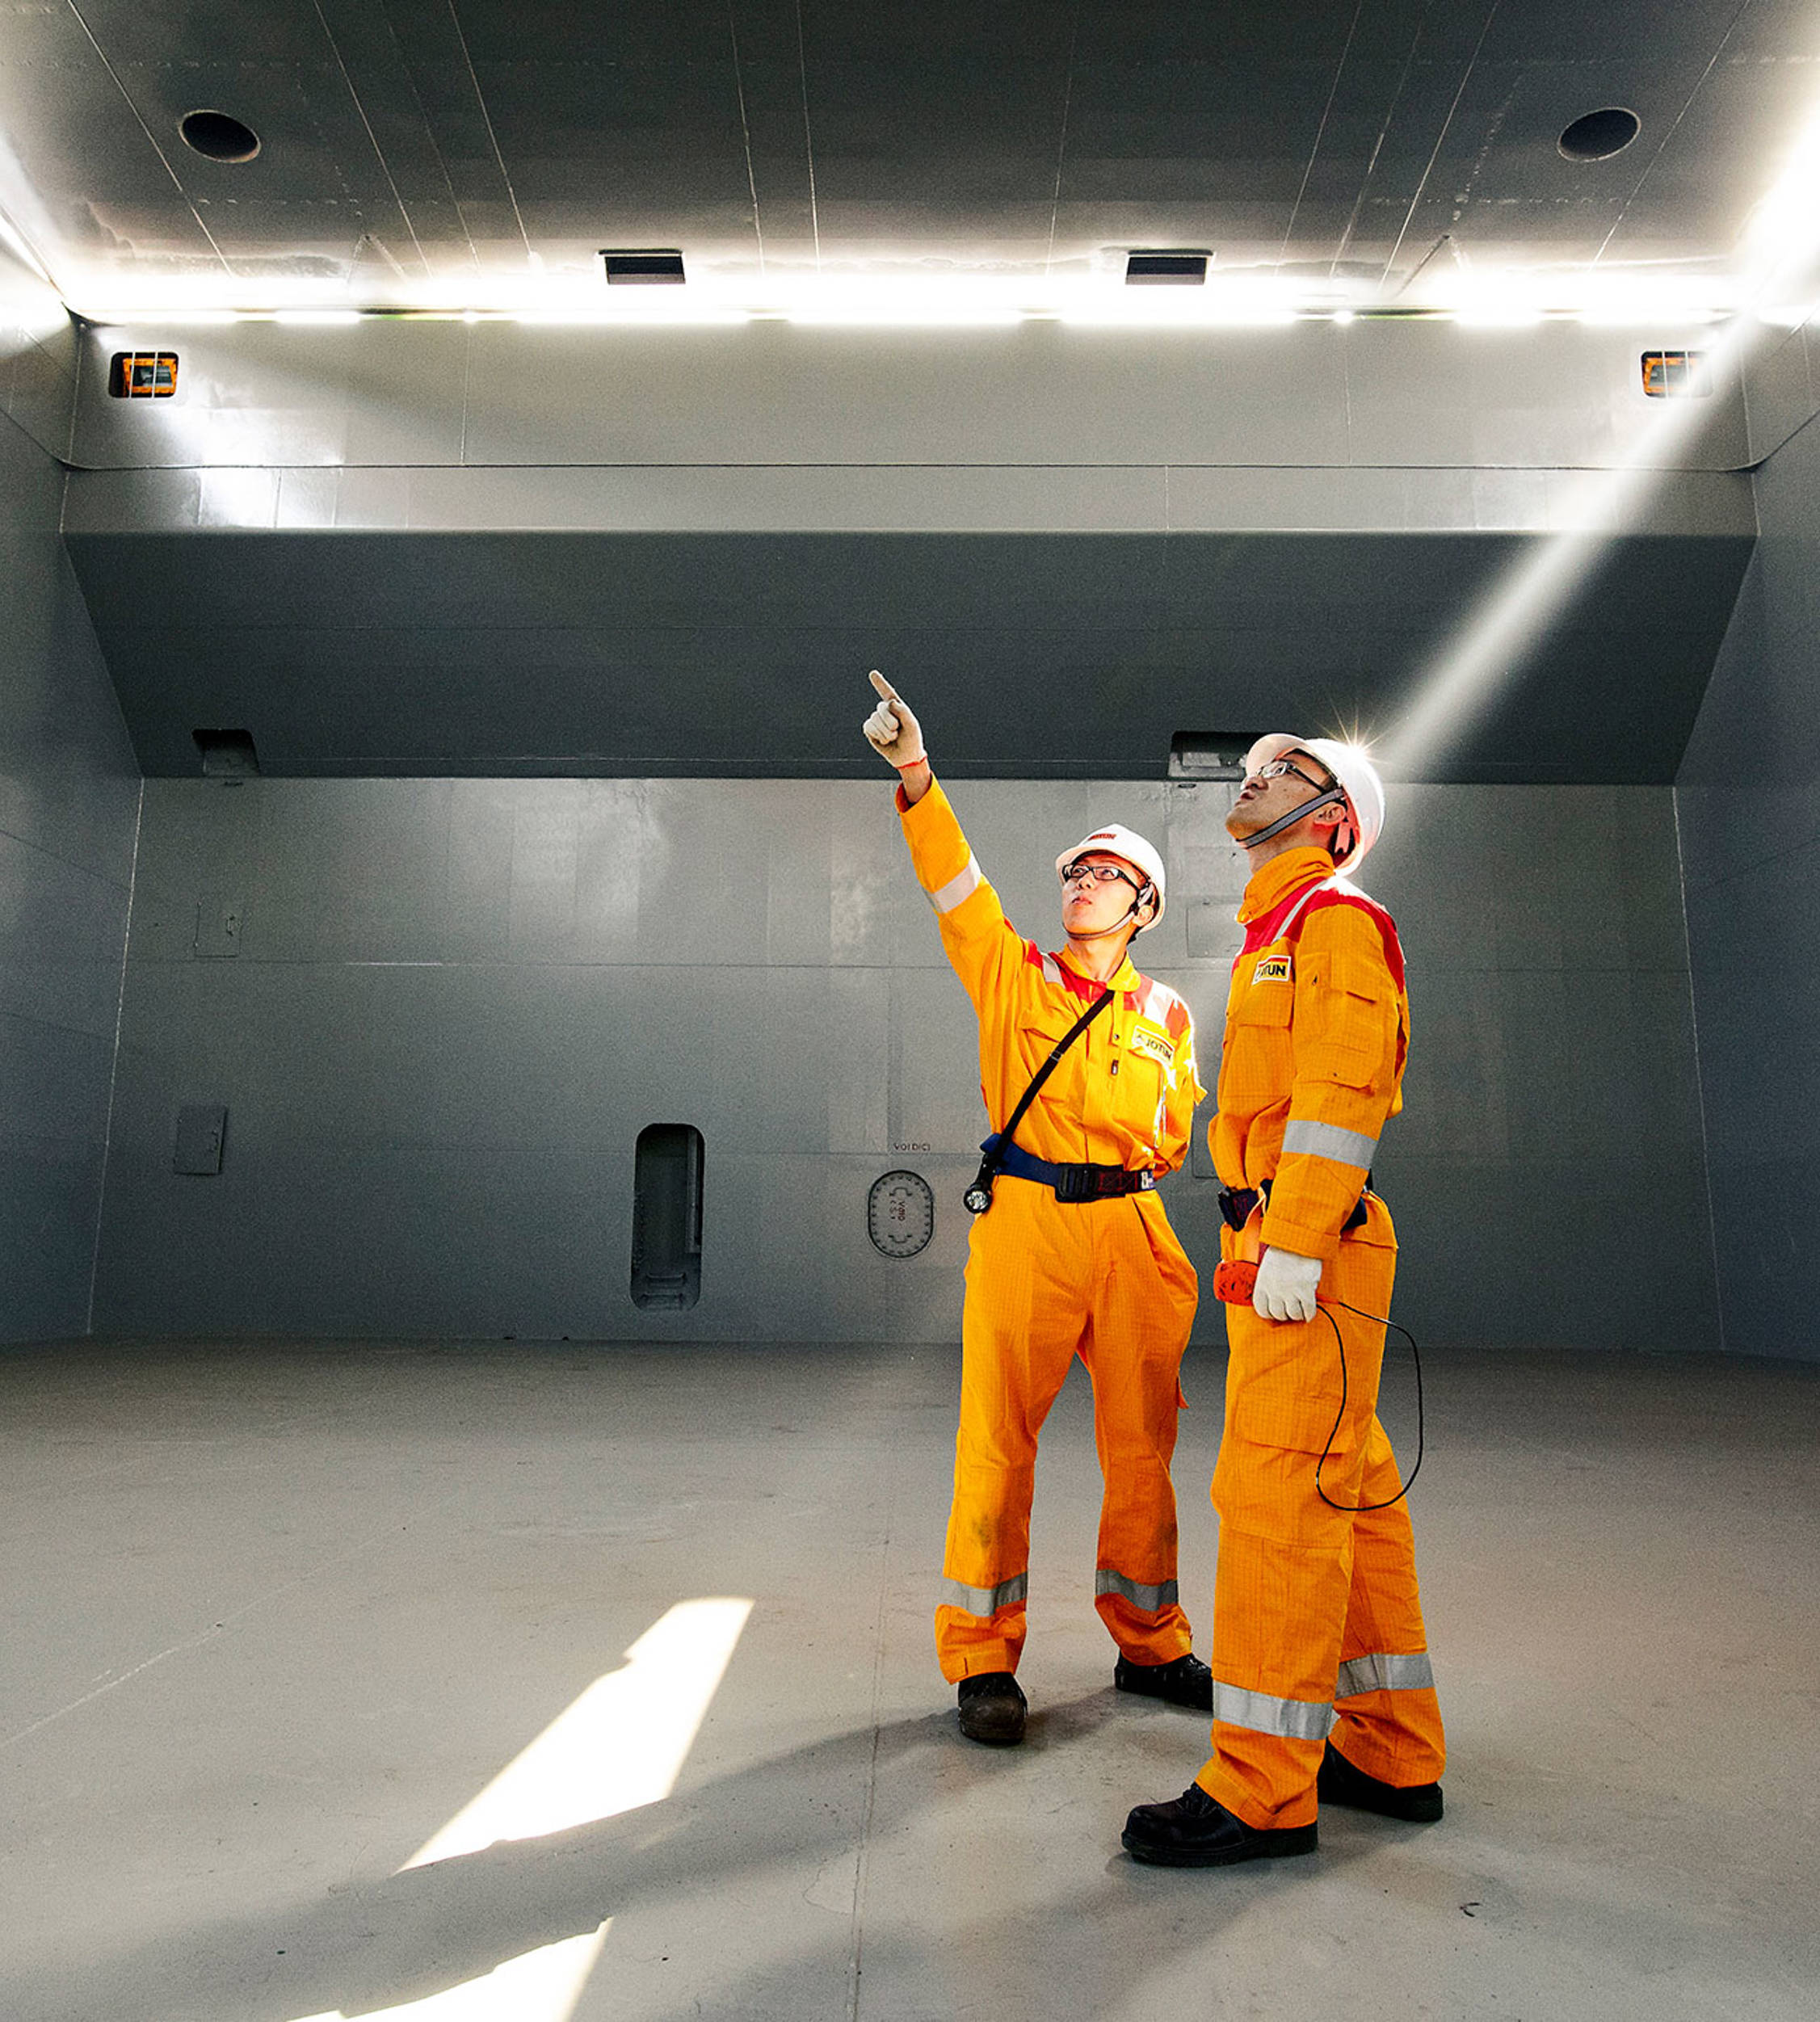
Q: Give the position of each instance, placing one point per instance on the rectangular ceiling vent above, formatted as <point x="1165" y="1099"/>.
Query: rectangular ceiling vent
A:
<point x="1165" y="270"/>
<point x="660" y="269"/>
<point x="227" y="754"/>
<point x="1210" y="754"/>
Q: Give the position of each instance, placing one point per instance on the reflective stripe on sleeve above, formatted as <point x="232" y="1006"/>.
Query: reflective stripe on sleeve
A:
<point x="1052" y="969"/>
<point x="950" y="895"/>
<point x="1328" y="1141"/>
<point x="985" y="1600"/>
<point x="1385" y="1672"/>
<point x="1294" y="1719"/>
<point x="1151" y="1599"/>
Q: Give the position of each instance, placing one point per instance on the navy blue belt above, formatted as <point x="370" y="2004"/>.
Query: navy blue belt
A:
<point x="1069" y="1182"/>
<point x="1238" y="1203"/>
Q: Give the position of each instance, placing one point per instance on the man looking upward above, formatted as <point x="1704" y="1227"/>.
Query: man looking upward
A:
<point x="1073" y="1256"/>
<point x="1316" y="1611"/>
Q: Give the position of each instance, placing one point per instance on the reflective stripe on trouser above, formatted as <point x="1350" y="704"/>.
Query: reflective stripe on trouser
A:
<point x="1106" y="1280"/>
<point x="1147" y="1599"/>
<point x="1317" y="1613"/>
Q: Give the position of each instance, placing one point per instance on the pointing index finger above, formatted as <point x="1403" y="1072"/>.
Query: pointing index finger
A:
<point x="884" y="687"/>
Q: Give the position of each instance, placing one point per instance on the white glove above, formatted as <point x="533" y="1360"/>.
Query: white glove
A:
<point x="1286" y="1286"/>
<point x="892" y="729"/>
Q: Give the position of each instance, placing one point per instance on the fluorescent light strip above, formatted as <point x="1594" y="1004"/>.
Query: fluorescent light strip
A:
<point x="829" y="311"/>
<point x="833" y="316"/>
<point x="655" y="318"/>
<point x="165" y="319"/>
<point x="1609" y="317"/>
<point x="1513" y="316"/>
<point x="1206" y="317"/>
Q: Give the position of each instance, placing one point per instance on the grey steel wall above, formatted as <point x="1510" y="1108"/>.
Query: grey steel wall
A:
<point x="415" y="549"/>
<point x="450" y="1007"/>
<point x="261" y="403"/>
<point x="590" y="654"/>
<point x="69" y="798"/>
<point x="1749" y="800"/>
<point x="1780" y="384"/>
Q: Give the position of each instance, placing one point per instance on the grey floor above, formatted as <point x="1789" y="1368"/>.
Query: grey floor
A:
<point x="274" y="1616"/>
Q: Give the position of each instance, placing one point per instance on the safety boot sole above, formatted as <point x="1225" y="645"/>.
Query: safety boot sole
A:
<point x="1282" y="1844"/>
<point x="1186" y="1682"/>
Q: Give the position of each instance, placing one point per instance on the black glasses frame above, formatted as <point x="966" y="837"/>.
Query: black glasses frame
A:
<point x="1111" y="871"/>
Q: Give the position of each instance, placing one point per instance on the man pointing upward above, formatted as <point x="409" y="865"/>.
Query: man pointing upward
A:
<point x="1074" y="1256"/>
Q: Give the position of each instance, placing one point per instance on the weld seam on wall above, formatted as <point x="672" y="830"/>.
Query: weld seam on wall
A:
<point x="114" y="1062"/>
<point x="1700" y="1079"/>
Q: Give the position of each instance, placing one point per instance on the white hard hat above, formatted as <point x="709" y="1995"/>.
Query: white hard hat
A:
<point x="1358" y="780"/>
<point x="1115" y="839"/>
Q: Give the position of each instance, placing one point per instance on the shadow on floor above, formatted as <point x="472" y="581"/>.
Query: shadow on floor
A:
<point x="376" y="1945"/>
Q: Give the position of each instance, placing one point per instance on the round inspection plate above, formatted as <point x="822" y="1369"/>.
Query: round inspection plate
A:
<point x="901" y="1214"/>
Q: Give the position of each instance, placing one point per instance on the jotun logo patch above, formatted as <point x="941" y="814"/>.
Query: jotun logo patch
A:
<point x="1273" y="968"/>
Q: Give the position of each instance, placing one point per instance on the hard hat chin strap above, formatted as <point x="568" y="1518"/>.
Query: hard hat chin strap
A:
<point x="1288" y="821"/>
<point x="1099" y="933"/>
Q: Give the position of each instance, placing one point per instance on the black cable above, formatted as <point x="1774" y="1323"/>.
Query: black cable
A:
<point x="1358" y="1509"/>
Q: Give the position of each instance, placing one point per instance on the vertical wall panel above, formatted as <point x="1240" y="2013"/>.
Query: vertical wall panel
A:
<point x="1749" y="802"/>
<point x="69" y="798"/>
<point x="458" y="1002"/>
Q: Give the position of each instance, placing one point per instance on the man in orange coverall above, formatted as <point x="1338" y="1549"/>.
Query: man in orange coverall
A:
<point x="1074" y="1256"/>
<point x="1318" y="1623"/>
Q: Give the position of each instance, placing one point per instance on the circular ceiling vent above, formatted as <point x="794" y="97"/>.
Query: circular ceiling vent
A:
<point x="220" y="135"/>
<point x="1599" y="136"/>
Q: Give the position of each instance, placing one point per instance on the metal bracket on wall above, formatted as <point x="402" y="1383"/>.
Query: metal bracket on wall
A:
<point x="202" y="1129"/>
<point x="218" y="928"/>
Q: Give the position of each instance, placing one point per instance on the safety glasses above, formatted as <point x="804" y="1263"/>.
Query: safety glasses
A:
<point x="1081" y="870"/>
<point x="1279" y="768"/>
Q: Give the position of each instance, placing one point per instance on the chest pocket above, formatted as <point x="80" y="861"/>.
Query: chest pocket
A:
<point x="1351" y="1018"/>
<point x="1263" y="988"/>
<point x="1041" y="1027"/>
<point x="1152" y="1043"/>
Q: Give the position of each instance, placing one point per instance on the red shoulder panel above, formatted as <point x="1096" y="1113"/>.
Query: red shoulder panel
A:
<point x="1381" y="919"/>
<point x="1081" y="987"/>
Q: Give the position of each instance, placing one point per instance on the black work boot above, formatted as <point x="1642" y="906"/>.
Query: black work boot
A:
<point x="1340" y="1783"/>
<point x="1186" y="1682"/>
<point x="1195" y="1831"/>
<point x="992" y="1708"/>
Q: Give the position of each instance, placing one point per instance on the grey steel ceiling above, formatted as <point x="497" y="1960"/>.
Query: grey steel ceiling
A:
<point x="408" y="140"/>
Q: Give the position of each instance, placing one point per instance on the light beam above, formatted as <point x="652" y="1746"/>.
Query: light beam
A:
<point x="543" y="1986"/>
<point x="622" y="1744"/>
<point x="1453" y="695"/>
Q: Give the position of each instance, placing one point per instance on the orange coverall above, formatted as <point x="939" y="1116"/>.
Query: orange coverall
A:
<point x="1047" y="1280"/>
<point x="1316" y="1610"/>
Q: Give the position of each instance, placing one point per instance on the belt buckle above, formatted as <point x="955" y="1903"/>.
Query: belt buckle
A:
<point x="1074" y="1185"/>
